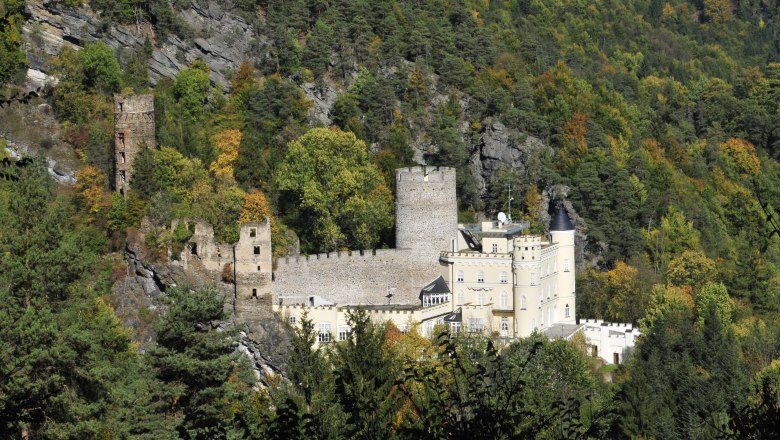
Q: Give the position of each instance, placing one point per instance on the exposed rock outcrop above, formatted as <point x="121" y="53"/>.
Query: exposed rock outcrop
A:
<point x="500" y="147"/>
<point x="16" y="118"/>
<point x="222" y="39"/>
<point x="148" y="275"/>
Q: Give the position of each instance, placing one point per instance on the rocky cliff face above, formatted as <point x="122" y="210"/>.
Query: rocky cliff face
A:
<point x="222" y="39"/>
<point x="135" y="300"/>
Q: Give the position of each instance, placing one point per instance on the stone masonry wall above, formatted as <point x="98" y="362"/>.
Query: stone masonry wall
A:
<point x="133" y="129"/>
<point x="354" y="279"/>
<point x="426" y="210"/>
<point x="426" y="224"/>
<point x="251" y="265"/>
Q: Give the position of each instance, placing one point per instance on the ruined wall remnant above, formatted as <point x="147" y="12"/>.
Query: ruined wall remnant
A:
<point x="133" y="131"/>
<point x="248" y="262"/>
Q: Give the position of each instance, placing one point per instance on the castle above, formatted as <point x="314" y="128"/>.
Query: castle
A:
<point x="489" y="278"/>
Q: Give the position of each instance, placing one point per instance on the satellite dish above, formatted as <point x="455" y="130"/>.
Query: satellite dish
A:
<point x="502" y="217"/>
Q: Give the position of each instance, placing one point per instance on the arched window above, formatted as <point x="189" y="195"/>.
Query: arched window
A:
<point x="459" y="297"/>
<point x="503" y="278"/>
<point x="566" y="311"/>
<point x="523" y="304"/>
<point x="504" y="300"/>
<point x="480" y="277"/>
<point x="459" y="276"/>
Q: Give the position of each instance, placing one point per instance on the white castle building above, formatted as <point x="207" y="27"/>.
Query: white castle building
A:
<point x="491" y="278"/>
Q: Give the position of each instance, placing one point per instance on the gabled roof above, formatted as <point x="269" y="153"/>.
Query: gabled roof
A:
<point x="436" y="286"/>
<point x="456" y="316"/>
<point x="561" y="221"/>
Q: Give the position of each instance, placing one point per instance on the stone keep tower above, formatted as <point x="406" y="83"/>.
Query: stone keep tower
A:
<point x="426" y="210"/>
<point x="133" y="129"/>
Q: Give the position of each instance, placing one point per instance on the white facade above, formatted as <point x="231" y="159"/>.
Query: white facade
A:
<point x="611" y="341"/>
<point x="516" y="283"/>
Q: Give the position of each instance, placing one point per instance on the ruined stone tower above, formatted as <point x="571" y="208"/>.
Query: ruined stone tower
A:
<point x="426" y="210"/>
<point x="133" y="129"/>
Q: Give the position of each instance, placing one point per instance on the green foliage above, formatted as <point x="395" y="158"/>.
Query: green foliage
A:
<point x="12" y="58"/>
<point x="193" y="88"/>
<point x="683" y="378"/>
<point x="274" y="115"/>
<point x="340" y="194"/>
<point x="193" y="360"/>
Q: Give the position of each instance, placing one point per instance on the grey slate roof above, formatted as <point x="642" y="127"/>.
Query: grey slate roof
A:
<point x="436" y="286"/>
<point x="561" y="221"/>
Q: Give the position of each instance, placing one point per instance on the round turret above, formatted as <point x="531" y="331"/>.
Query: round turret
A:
<point x="426" y="209"/>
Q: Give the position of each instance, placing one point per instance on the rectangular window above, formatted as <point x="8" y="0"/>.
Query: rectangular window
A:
<point x="503" y="278"/>
<point x="122" y="176"/>
<point x="566" y="265"/>
<point x="616" y="358"/>
<point x="323" y="332"/>
<point x="292" y="320"/>
<point x="480" y="277"/>
<point x="455" y="327"/>
<point x="533" y="278"/>
<point x="194" y="248"/>
<point x="121" y="139"/>
<point x="495" y="248"/>
<point x="475" y="325"/>
<point x="121" y="157"/>
<point x="257" y="250"/>
<point x="460" y="276"/>
<point x="254" y="293"/>
<point x="344" y="332"/>
<point x="253" y="232"/>
<point x="504" y="298"/>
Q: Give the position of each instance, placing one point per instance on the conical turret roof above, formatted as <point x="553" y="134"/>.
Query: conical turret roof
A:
<point x="561" y="221"/>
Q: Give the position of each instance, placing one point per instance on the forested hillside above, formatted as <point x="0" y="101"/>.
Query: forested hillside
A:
<point x="659" y="121"/>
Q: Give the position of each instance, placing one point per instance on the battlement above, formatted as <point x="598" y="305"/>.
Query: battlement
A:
<point x="614" y="329"/>
<point x="338" y="257"/>
<point x="133" y="103"/>
<point x="425" y="174"/>
<point x="476" y="255"/>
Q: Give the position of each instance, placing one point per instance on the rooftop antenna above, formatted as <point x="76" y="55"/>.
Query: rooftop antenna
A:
<point x="509" y="212"/>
